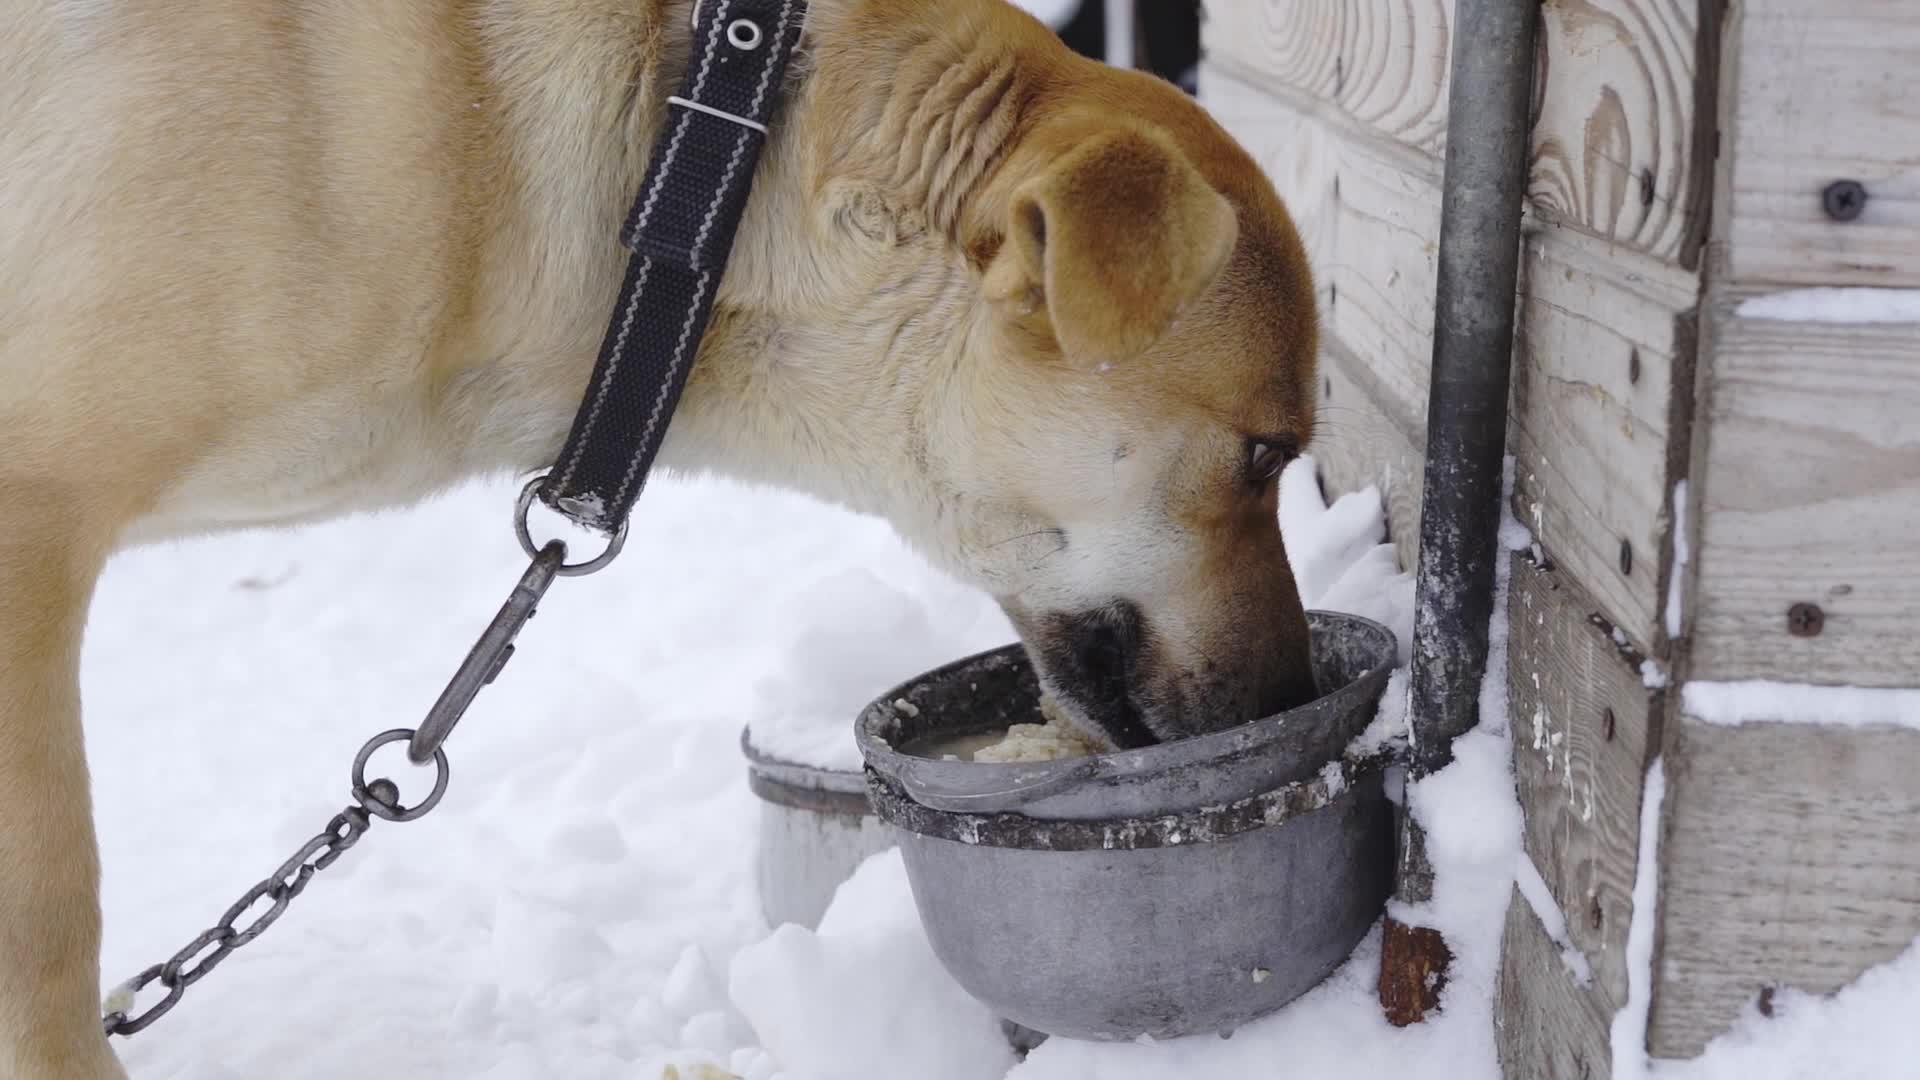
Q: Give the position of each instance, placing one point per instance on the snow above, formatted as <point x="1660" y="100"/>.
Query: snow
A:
<point x="863" y="996"/>
<point x="1629" y="1029"/>
<point x="597" y="826"/>
<point x="1533" y="888"/>
<point x="851" y="635"/>
<point x="1760" y="701"/>
<point x="1681" y="555"/>
<point x="1859" y="1033"/>
<point x="582" y="903"/>
<point x="1339" y="554"/>
<point x="1836" y="305"/>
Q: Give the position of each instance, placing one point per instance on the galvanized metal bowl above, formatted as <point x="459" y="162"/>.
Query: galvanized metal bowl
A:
<point x="816" y="827"/>
<point x="1166" y="891"/>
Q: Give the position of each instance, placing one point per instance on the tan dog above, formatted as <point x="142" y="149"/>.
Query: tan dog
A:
<point x="274" y="260"/>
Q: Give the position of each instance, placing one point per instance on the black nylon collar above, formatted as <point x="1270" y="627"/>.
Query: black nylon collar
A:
<point x="681" y="231"/>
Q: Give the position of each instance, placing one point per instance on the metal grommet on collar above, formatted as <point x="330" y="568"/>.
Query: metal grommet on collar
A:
<point x="744" y="34"/>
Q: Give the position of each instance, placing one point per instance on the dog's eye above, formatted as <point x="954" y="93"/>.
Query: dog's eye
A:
<point x="1266" y="458"/>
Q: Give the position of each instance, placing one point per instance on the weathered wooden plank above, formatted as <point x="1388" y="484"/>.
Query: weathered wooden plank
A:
<point x="1546" y="1026"/>
<point x="1602" y="391"/>
<point x="1791" y="858"/>
<point x="1809" y="493"/>
<point x="1369" y="214"/>
<point x="1359" y="444"/>
<point x="1384" y="65"/>
<point x="1614" y="140"/>
<point x="1817" y="93"/>
<point x="1614" y="137"/>
<point x="1584" y="726"/>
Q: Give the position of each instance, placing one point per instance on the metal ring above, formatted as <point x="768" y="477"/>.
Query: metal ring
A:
<point x="396" y="812"/>
<point x="524" y="504"/>
<point x="744" y="34"/>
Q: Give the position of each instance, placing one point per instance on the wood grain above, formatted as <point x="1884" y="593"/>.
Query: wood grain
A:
<point x="1602" y="393"/>
<point x="1791" y="858"/>
<point x="1615" y="141"/>
<point x="1369" y="214"/>
<point x="1809" y="492"/>
<point x="1614" y="133"/>
<point x="1383" y="65"/>
<point x="1545" y="1025"/>
<point x="1583" y="729"/>
<point x="1816" y="93"/>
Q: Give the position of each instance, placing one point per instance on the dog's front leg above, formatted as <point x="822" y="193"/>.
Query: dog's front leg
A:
<point x="49" y="865"/>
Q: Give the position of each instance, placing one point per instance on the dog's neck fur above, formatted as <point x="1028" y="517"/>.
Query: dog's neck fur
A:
<point x="909" y="116"/>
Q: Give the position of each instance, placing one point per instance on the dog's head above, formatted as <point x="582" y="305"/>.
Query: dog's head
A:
<point x="1138" y="370"/>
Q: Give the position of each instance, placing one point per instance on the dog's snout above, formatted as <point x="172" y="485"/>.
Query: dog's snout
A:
<point x="1139" y="683"/>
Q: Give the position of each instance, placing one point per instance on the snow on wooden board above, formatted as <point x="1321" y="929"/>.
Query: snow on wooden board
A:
<point x="1836" y="304"/>
<point x="1750" y="701"/>
<point x="1629" y="1029"/>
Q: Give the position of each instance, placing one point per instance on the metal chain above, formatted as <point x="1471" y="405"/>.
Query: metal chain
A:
<point x="182" y="970"/>
<point x="378" y="798"/>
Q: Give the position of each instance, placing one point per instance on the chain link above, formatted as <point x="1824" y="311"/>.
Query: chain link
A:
<point x="211" y="948"/>
<point x="378" y="798"/>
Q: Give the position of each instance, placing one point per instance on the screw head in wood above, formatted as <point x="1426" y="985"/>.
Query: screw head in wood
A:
<point x="1805" y="620"/>
<point x="1843" y="200"/>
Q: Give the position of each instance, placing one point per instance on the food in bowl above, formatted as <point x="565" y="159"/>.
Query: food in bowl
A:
<point x="1050" y="740"/>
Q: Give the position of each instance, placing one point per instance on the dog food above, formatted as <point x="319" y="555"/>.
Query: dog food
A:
<point x="1049" y="740"/>
<point x="1036" y="742"/>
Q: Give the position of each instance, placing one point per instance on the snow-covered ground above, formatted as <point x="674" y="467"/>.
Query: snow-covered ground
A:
<point x="581" y="905"/>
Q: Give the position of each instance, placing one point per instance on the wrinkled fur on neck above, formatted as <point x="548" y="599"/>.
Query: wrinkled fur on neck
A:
<point x="851" y="296"/>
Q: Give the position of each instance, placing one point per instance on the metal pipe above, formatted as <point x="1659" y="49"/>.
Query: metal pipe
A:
<point x="1483" y="191"/>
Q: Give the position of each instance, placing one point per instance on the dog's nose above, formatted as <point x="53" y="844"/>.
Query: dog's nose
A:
<point x="1105" y="642"/>
<point x="1092" y="659"/>
<point x="1282" y="687"/>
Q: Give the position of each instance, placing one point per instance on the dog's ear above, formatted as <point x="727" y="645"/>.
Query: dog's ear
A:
<point x="1115" y="236"/>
